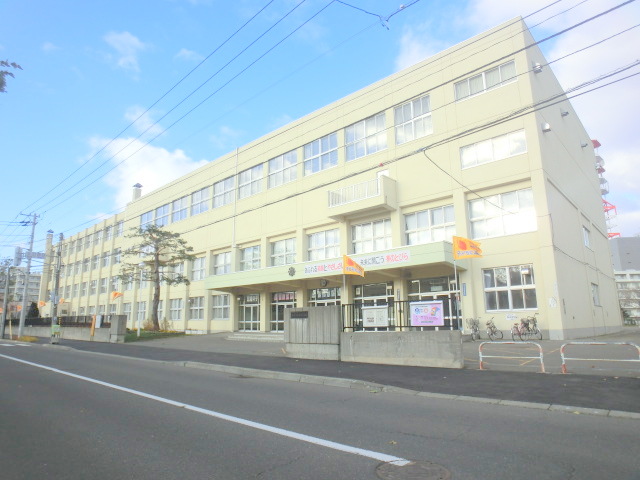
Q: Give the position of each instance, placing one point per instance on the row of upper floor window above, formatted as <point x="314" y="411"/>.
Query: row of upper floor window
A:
<point x="96" y="238"/>
<point x="412" y="120"/>
<point x="494" y="215"/>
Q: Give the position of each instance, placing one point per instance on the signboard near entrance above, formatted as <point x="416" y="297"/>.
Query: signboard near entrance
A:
<point x="427" y="314"/>
<point x="375" y="316"/>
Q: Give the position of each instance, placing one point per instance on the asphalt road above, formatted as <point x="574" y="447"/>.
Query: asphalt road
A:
<point x="75" y="415"/>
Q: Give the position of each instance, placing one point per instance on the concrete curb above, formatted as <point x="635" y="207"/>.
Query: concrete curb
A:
<point x="372" y="387"/>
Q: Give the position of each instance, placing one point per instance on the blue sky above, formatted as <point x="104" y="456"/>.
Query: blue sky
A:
<point x="90" y="69"/>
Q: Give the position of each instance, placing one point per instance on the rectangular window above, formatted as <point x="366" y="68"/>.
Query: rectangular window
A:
<point x="85" y="264"/>
<point x="509" y="288"/>
<point x="83" y="289"/>
<point x="160" y="312"/>
<point x="115" y="284"/>
<point x="126" y="310"/>
<point x="175" y="309"/>
<point x="95" y="262"/>
<point x="283" y="252"/>
<point x="78" y="265"/>
<point x="103" y="285"/>
<point x="196" y="308"/>
<point x="371" y="236"/>
<point x="142" y="312"/>
<point x="116" y="256"/>
<point x="503" y="214"/>
<point x="222" y="263"/>
<point x="282" y="169"/>
<point x="198" y="269"/>
<point x="432" y="225"/>
<point x="595" y="294"/>
<point x="178" y="268"/>
<point x="223" y="192"/>
<point x="97" y="237"/>
<point x="113" y="308"/>
<point x="321" y="154"/>
<point x="67" y="292"/>
<point x="146" y="219"/>
<point x="497" y="148"/>
<point x="179" y="209"/>
<point x="75" y="290"/>
<point x="106" y="256"/>
<point x="93" y="287"/>
<point x="79" y="244"/>
<point x="324" y="245"/>
<point x="108" y="233"/>
<point x="162" y="215"/>
<point x="120" y="228"/>
<point x="365" y="137"/>
<point x="492" y="78"/>
<point x="200" y="201"/>
<point x="413" y="120"/>
<point x="87" y="241"/>
<point x="250" y="258"/>
<point x="72" y="246"/>
<point x="250" y="181"/>
<point x="586" y="237"/>
<point x="220" y="305"/>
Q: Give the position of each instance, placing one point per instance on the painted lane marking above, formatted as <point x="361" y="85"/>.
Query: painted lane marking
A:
<point x="382" y="457"/>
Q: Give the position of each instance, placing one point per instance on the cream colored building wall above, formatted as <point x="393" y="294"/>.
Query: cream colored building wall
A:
<point x="558" y="170"/>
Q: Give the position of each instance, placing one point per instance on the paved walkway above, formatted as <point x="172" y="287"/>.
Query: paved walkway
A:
<point x="614" y="392"/>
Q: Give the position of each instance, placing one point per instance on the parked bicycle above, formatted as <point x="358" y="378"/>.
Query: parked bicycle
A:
<point x="492" y="331"/>
<point x="526" y="329"/>
<point x="474" y="327"/>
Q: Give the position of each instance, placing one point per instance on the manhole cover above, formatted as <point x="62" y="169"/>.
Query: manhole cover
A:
<point x="413" y="471"/>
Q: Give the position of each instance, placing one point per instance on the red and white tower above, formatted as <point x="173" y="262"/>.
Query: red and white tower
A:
<point x="610" y="211"/>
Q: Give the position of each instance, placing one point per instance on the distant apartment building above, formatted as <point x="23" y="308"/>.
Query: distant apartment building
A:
<point x="477" y="141"/>
<point x="16" y="289"/>
<point x="625" y="256"/>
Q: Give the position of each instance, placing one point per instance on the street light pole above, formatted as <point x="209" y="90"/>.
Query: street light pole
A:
<point x="23" y="312"/>
<point x="5" y="300"/>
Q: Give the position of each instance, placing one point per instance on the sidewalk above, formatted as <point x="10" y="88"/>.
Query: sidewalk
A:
<point x="610" y="394"/>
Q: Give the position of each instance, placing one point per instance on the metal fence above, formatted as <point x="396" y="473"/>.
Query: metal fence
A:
<point x="398" y="318"/>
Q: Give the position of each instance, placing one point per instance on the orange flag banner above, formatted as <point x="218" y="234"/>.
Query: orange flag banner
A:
<point x="41" y="303"/>
<point x="351" y="267"/>
<point x="465" y="248"/>
<point x="115" y="295"/>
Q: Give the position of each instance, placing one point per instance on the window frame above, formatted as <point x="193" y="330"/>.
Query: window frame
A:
<point x="282" y="169"/>
<point x="495" y="214"/>
<point x="360" y="141"/>
<point x="483" y="76"/>
<point x="320" y="154"/>
<point x="410" y="120"/>
<point x="250" y="181"/>
<point x="223" y="192"/>
<point x="498" y="289"/>
<point x="200" y="201"/>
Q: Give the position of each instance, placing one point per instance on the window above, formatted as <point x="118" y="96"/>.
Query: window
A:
<point x="220" y="305"/>
<point x="503" y="214"/>
<point x="486" y="80"/>
<point x="196" y="308"/>
<point x="586" y="237"/>
<point x="323" y="245"/>
<point x="93" y="287"/>
<point x="108" y="233"/>
<point x="223" y="192"/>
<point x="126" y="310"/>
<point x="67" y="292"/>
<point x="113" y="308"/>
<point x="198" y="269"/>
<point x="95" y="262"/>
<point x="97" y="237"/>
<point x="87" y="242"/>
<point x="283" y="252"/>
<point x="72" y="246"/>
<point x="116" y="256"/>
<point x="509" y="288"/>
<point x="69" y="269"/>
<point x="321" y="154"/>
<point x="175" y="309"/>
<point x="179" y="209"/>
<point x="497" y="148"/>
<point x="106" y="256"/>
<point x="146" y="219"/>
<point x="119" y="228"/>
<point x="75" y="290"/>
<point x="282" y="169"/>
<point x="142" y="312"/>
<point x="200" y="201"/>
<point x="85" y="264"/>
<point x="250" y="258"/>
<point x="371" y="236"/>
<point x="366" y="137"/>
<point x="79" y="244"/>
<point x="432" y="225"/>
<point x="222" y="263"/>
<point x="249" y="181"/>
<point x="595" y="294"/>
<point x="83" y="289"/>
<point x="115" y="284"/>
<point x="162" y="215"/>
<point x="413" y="120"/>
<point x="178" y="268"/>
<point x="160" y="312"/>
<point x="78" y="265"/>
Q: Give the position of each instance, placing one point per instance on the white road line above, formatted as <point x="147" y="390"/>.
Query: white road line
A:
<point x="382" y="457"/>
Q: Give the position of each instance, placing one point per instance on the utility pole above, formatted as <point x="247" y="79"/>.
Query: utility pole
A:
<point x="23" y="312"/>
<point x="56" y="284"/>
<point x="5" y="300"/>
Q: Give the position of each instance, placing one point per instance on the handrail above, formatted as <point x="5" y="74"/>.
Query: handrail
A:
<point x="565" y="358"/>
<point x="539" y="357"/>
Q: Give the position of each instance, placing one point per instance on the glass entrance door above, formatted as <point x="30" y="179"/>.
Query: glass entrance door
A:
<point x="249" y="313"/>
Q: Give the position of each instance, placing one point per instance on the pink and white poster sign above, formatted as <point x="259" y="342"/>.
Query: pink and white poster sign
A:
<point x="427" y="314"/>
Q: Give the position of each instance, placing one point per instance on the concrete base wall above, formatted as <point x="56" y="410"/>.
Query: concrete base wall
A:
<point x="423" y="349"/>
<point x="74" y="333"/>
<point x="313" y="351"/>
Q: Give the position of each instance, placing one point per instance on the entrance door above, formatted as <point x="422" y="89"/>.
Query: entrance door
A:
<point x="280" y="301"/>
<point x="249" y="313"/>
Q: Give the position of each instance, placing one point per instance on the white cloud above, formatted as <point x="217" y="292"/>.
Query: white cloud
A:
<point x="226" y="138"/>
<point x="143" y="120"/>
<point x="49" y="47"/>
<point x="151" y="166"/>
<point x="416" y="44"/>
<point x="127" y="47"/>
<point x="188" y="55"/>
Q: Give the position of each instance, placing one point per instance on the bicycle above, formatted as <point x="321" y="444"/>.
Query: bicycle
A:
<point x="474" y="326"/>
<point x="492" y="331"/>
<point x="526" y="329"/>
